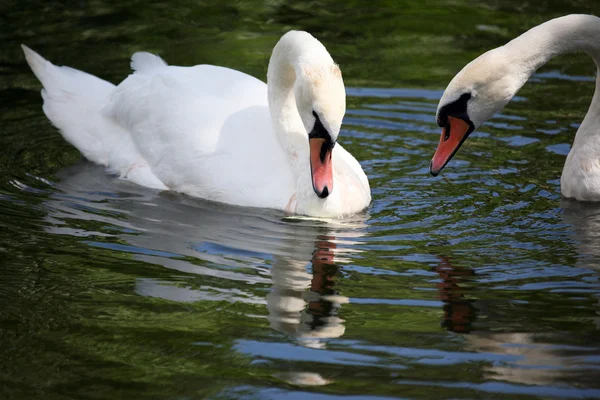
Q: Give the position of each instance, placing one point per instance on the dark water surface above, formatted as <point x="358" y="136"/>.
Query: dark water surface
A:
<point x="481" y="283"/>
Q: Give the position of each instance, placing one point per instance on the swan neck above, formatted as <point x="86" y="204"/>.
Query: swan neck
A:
<point x="281" y="79"/>
<point x="567" y="34"/>
<point x="294" y="53"/>
<point x="562" y="35"/>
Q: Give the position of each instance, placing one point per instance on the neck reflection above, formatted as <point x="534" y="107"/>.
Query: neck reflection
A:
<point x="303" y="301"/>
<point x="459" y="311"/>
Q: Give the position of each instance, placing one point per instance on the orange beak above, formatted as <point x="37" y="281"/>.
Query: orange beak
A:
<point x="452" y="138"/>
<point x="321" y="166"/>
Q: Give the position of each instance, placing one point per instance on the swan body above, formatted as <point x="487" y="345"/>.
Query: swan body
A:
<point x="485" y="85"/>
<point x="217" y="133"/>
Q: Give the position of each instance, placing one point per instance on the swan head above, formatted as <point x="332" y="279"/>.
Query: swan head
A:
<point x="482" y="88"/>
<point x="321" y="103"/>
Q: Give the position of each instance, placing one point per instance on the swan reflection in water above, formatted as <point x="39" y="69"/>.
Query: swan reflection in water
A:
<point x="298" y="257"/>
<point x="584" y="221"/>
<point x="296" y="261"/>
<point x="528" y="356"/>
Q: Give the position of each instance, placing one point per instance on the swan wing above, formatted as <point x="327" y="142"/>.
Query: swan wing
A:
<point x="204" y="130"/>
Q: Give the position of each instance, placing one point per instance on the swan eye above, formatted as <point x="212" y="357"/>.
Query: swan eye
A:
<point x="441" y="120"/>
<point x="319" y="131"/>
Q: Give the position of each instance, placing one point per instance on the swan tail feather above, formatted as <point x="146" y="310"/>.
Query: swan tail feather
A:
<point x="74" y="102"/>
<point x="144" y="63"/>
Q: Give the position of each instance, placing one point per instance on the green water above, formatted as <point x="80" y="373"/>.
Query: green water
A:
<point x="481" y="283"/>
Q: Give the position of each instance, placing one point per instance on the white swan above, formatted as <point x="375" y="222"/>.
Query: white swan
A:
<point x="216" y="133"/>
<point x="488" y="83"/>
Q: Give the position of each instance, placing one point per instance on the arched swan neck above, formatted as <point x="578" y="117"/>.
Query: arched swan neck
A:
<point x="294" y="54"/>
<point x="562" y="35"/>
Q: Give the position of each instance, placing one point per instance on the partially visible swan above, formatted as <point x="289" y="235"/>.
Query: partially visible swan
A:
<point x="217" y="133"/>
<point x="488" y="83"/>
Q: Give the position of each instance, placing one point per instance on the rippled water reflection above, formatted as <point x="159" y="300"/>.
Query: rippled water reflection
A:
<point x="480" y="283"/>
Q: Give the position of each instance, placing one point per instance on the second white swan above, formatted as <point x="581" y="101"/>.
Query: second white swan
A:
<point x="217" y="133"/>
<point x="486" y="85"/>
